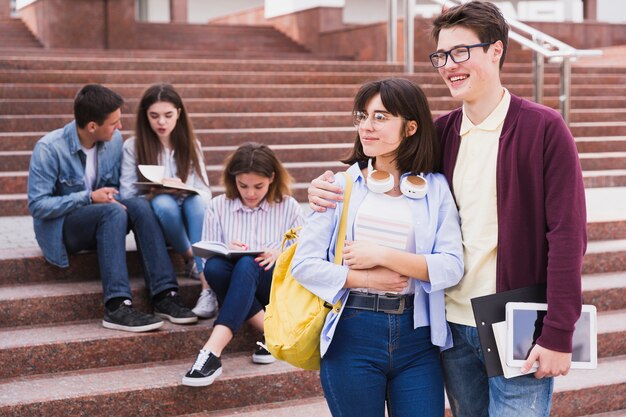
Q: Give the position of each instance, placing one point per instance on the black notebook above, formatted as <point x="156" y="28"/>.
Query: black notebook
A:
<point x="491" y="309"/>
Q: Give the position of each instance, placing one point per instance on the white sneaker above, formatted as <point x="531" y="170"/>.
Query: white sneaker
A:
<point x="206" y="307"/>
<point x="191" y="270"/>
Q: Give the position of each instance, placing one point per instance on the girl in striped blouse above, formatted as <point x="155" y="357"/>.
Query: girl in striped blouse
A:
<point x="253" y="214"/>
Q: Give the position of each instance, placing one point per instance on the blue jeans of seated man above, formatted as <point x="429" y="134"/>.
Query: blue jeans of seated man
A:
<point x="103" y="227"/>
<point x="180" y="220"/>
<point x="376" y="357"/>
<point x="242" y="289"/>
<point x="472" y="394"/>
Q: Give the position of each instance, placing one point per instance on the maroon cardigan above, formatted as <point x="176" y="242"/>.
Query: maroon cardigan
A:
<point x="542" y="234"/>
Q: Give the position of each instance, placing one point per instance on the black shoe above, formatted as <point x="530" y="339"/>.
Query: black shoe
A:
<point x="261" y="355"/>
<point x="171" y="307"/>
<point x="130" y="320"/>
<point x="205" y="369"/>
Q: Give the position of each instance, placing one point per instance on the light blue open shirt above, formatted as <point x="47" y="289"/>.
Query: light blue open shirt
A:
<point x="437" y="235"/>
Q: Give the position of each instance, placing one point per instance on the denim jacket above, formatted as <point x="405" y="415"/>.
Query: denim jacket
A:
<point x="437" y="235"/>
<point x="56" y="184"/>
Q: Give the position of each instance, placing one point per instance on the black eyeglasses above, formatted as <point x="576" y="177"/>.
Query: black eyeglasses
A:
<point x="458" y="54"/>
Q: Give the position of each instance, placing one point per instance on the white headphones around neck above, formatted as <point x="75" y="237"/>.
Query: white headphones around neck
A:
<point x="412" y="186"/>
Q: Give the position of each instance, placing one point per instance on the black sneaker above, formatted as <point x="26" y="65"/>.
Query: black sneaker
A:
<point x="261" y="355"/>
<point x="128" y="319"/>
<point x="171" y="307"/>
<point x="205" y="369"/>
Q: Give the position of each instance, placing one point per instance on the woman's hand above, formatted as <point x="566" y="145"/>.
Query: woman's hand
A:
<point x="362" y="254"/>
<point x="384" y="279"/>
<point x="268" y="258"/>
<point x="237" y="245"/>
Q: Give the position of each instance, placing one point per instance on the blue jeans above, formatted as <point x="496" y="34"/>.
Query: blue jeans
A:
<point x="472" y="394"/>
<point x="242" y="289"/>
<point x="376" y="357"/>
<point x="103" y="227"/>
<point x="181" y="221"/>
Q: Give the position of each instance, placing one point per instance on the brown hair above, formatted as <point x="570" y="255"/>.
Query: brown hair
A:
<point x="401" y="97"/>
<point x="261" y="160"/>
<point x="147" y="143"/>
<point x="483" y="18"/>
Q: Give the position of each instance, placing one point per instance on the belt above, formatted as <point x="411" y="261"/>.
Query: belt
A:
<point x="387" y="303"/>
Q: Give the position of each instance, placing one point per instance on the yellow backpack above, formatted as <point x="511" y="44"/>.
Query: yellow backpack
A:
<point x="294" y="316"/>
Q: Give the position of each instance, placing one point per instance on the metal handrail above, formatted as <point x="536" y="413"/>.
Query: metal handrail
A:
<point x="543" y="46"/>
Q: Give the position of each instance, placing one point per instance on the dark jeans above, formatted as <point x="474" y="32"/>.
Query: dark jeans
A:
<point x="375" y="358"/>
<point x="242" y="289"/>
<point x="103" y="227"/>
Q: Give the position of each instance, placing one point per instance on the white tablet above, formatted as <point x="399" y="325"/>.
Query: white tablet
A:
<point x="524" y="323"/>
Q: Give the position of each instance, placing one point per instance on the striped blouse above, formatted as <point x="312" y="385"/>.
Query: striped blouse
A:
<point x="259" y="228"/>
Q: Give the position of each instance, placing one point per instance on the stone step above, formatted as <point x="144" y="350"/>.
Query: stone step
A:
<point x="244" y="387"/>
<point x="582" y="129"/>
<point x="119" y="59"/>
<point x="176" y="54"/>
<point x="617" y="413"/>
<point x="209" y="74"/>
<point x="293" y="119"/>
<point x="45" y="303"/>
<point x="591" y="391"/>
<point x="75" y="346"/>
<point x="605" y="256"/>
<point x="204" y="90"/>
<point x="13" y="200"/>
<point x="308" y="407"/>
<point x="115" y="62"/>
<point x="613" y="228"/>
<point x="601" y="144"/>
<point x="70" y="346"/>
<point x="607" y="291"/>
<point x="18" y="161"/>
<point x="25" y="141"/>
<point x="201" y="105"/>
<point x="263" y="77"/>
<point x="50" y="299"/>
<point x="37" y="106"/>
<point x="605" y="178"/>
<point x="124" y="391"/>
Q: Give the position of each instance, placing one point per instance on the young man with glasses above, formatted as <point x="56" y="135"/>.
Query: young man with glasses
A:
<point x="513" y="168"/>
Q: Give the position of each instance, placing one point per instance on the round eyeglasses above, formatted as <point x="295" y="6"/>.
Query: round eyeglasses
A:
<point x="378" y="119"/>
<point x="458" y="54"/>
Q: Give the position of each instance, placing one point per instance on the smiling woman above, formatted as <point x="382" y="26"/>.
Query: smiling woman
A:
<point x="403" y="247"/>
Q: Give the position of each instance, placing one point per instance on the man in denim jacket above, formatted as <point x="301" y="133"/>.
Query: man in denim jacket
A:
<point x="72" y="196"/>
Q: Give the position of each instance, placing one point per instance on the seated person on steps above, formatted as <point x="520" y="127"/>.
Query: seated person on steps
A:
<point x="164" y="136"/>
<point x="254" y="214"/>
<point x="73" y="198"/>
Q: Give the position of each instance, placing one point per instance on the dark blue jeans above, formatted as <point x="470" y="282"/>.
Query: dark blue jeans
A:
<point x="242" y="289"/>
<point x="103" y="227"/>
<point x="376" y="357"/>
<point x="472" y="394"/>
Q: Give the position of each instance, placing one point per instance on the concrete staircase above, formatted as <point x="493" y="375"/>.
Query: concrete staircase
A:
<point x="57" y="359"/>
<point x="15" y="34"/>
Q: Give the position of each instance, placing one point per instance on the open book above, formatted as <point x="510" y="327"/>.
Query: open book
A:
<point x="154" y="174"/>
<point x="207" y="249"/>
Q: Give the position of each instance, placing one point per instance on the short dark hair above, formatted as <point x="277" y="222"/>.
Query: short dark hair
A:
<point x="94" y="103"/>
<point x="258" y="159"/>
<point x="483" y="18"/>
<point x="401" y="97"/>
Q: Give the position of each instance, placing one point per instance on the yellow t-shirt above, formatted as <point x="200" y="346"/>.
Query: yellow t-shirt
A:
<point x="474" y="182"/>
